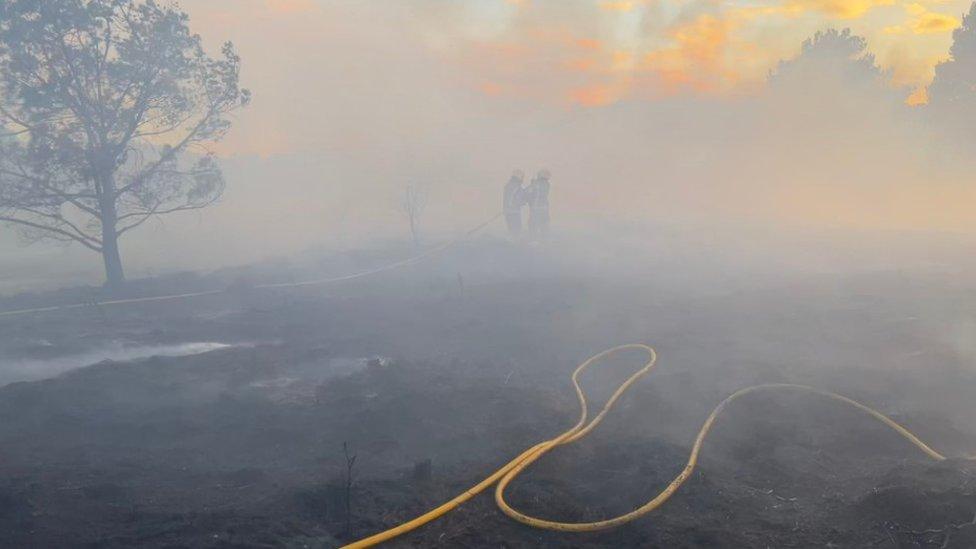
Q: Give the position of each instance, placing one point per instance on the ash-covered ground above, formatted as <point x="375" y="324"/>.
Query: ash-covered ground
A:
<point x="227" y="420"/>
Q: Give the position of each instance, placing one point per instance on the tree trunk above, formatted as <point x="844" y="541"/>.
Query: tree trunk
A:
<point x="415" y="233"/>
<point x="114" y="275"/>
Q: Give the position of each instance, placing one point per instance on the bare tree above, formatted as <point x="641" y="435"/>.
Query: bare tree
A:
<point x="106" y="107"/>
<point x="413" y="204"/>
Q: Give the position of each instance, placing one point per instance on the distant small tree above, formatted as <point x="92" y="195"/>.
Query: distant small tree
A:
<point x="952" y="94"/>
<point x="412" y="205"/>
<point x="102" y="103"/>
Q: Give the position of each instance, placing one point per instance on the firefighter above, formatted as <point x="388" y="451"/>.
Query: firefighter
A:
<point x="537" y="196"/>
<point x="512" y="201"/>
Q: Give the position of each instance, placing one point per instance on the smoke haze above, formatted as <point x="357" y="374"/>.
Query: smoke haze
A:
<point x="650" y="115"/>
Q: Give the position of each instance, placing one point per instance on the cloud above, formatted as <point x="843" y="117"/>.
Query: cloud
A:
<point x="918" y="97"/>
<point x="840" y="9"/>
<point x="702" y="56"/>
<point x="908" y="68"/>
<point x="894" y="29"/>
<point x="596" y="95"/>
<point x="589" y="44"/>
<point x="531" y="54"/>
<point x="934" y="23"/>
<point x="492" y="89"/>
<point x="923" y="21"/>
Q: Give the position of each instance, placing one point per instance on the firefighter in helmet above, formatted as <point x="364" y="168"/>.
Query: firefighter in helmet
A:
<point x="512" y="201"/>
<point x="537" y="196"/>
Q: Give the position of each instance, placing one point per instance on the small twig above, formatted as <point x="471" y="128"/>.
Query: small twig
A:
<point x="891" y="537"/>
<point x="350" y="463"/>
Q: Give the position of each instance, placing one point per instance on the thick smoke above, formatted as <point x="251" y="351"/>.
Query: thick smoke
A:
<point x="345" y="116"/>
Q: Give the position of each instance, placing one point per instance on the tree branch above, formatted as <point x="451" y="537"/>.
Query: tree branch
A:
<point x="146" y="215"/>
<point x="60" y="219"/>
<point x="6" y="114"/>
<point x="168" y="154"/>
<point x="55" y="230"/>
<point x="72" y="198"/>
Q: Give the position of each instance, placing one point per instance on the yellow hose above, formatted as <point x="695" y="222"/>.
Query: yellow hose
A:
<point x="512" y="469"/>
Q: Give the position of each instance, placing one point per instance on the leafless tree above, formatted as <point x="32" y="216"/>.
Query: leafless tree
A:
<point x="106" y="107"/>
<point x="413" y="204"/>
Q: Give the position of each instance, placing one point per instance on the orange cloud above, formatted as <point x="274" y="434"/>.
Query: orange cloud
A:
<point x="589" y="44"/>
<point x="596" y="95"/>
<point x="841" y="9"/>
<point x="581" y="65"/>
<point x="492" y="89"/>
<point x="934" y="22"/>
<point x="622" y="60"/>
<point x="923" y="21"/>
<point x="919" y="97"/>
<point x="552" y="54"/>
<point x="696" y="58"/>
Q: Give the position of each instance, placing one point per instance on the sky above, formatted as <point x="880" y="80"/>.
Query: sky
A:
<point x="366" y="97"/>
<point x="532" y="54"/>
<point x="645" y="111"/>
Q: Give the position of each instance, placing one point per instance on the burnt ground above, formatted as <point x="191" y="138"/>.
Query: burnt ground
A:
<point x="431" y="382"/>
